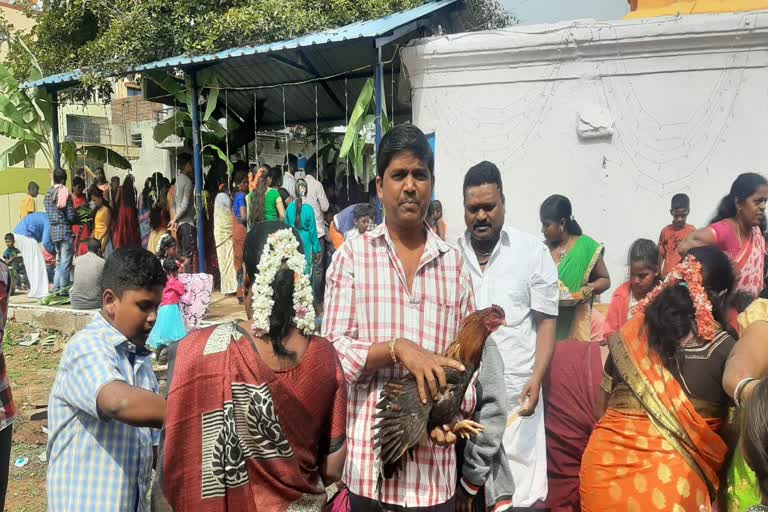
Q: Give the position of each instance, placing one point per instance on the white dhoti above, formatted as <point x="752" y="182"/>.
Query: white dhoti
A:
<point x="526" y="452"/>
<point x="34" y="262"/>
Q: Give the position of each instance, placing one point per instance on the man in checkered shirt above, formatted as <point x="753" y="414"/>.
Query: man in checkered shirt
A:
<point x="396" y="297"/>
<point x="7" y="407"/>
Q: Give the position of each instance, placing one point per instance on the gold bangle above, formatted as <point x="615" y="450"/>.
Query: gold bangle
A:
<point x="392" y="351"/>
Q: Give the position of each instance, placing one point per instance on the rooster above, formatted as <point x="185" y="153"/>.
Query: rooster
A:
<point x="403" y="419"/>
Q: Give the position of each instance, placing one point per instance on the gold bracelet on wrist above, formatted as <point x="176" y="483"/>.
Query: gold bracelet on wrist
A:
<point x="392" y="351"/>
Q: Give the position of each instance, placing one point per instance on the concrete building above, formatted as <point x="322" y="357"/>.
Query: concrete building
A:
<point x="618" y="116"/>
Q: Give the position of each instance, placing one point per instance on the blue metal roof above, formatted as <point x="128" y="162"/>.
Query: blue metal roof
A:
<point x="359" y="30"/>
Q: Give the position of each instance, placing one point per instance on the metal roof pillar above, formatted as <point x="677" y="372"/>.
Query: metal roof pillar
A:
<point x="55" y="131"/>
<point x="378" y="88"/>
<point x="197" y="153"/>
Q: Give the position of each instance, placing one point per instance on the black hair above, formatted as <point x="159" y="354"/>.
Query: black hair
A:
<point x="165" y="243"/>
<point x="9" y="236"/>
<point x="311" y="167"/>
<point x="680" y="201"/>
<point x="240" y="166"/>
<point x="482" y="173"/>
<point x="96" y="192"/>
<point x="77" y="180"/>
<point x="360" y="211"/>
<point x="557" y="208"/>
<point x="293" y="163"/>
<point x="740" y="300"/>
<point x="132" y="268"/>
<point x="149" y="186"/>
<point x="94" y="245"/>
<point x="644" y="251"/>
<point x="256" y="211"/>
<point x="754" y="434"/>
<point x="59" y="176"/>
<point x="745" y="185"/>
<point x="155" y="217"/>
<point x="436" y="204"/>
<point x="238" y="178"/>
<point x="32" y="187"/>
<point x="281" y="318"/>
<point x="182" y="160"/>
<point x="299" y="201"/>
<point x="404" y="138"/>
<point x="170" y="265"/>
<point x="277" y="177"/>
<point x="672" y="315"/>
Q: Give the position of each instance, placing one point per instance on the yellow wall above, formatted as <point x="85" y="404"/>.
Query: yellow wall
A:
<point x="651" y="8"/>
<point x="13" y="188"/>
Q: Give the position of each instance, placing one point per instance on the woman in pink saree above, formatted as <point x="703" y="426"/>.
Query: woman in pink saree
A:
<point x="737" y="230"/>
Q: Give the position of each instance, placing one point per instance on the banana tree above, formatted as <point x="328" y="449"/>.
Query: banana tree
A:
<point x="355" y="147"/>
<point x="26" y="117"/>
<point x="180" y="123"/>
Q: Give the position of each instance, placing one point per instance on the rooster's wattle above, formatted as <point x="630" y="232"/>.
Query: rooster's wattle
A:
<point x="403" y="420"/>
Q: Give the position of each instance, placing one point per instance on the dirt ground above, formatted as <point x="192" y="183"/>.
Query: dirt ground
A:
<point x="31" y="371"/>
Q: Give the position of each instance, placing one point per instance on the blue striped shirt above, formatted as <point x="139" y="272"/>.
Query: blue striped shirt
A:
<point x="97" y="464"/>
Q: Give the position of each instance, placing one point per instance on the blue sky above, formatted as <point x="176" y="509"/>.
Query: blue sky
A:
<point x="546" y="11"/>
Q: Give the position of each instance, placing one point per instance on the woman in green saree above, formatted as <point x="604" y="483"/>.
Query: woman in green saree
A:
<point x="580" y="266"/>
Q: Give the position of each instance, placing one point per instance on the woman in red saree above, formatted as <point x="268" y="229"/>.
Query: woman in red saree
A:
<point x="256" y="412"/>
<point x="737" y="229"/>
<point x="81" y="231"/>
<point x="126" y="228"/>
<point x="657" y="447"/>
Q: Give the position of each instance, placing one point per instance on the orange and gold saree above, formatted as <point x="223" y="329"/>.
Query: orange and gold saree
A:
<point x="655" y="448"/>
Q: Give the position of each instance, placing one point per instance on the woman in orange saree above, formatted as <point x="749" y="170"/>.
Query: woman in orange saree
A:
<point x="657" y="447"/>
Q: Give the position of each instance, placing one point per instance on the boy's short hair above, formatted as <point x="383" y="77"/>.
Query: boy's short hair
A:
<point x="32" y="187"/>
<point x="360" y="211"/>
<point x="681" y="201"/>
<point x="9" y="236"/>
<point x="132" y="268"/>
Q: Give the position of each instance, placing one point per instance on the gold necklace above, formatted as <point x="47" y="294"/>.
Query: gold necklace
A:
<point x="564" y="250"/>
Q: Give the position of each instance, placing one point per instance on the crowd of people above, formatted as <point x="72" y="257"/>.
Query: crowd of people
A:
<point x="658" y="405"/>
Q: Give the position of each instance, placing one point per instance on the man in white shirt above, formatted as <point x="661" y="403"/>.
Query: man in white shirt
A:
<point x="514" y="270"/>
<point x="289" y="178"/>
<point x="317" y="199"/>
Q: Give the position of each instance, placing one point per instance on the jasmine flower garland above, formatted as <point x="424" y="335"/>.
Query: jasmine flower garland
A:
<point x="282" y="251"/>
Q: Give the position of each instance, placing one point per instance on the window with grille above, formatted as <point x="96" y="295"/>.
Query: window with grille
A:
<point x="136" y="139"/>
<point x="85" y="128"/>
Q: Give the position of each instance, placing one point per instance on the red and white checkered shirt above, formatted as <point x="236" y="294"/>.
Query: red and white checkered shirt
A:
<point x="7" y="407"/>
<point x="367" y="301"/>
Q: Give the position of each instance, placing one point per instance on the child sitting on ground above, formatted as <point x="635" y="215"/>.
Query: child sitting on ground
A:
<point x="104" y="412"/>
<point x="672" y="235"/>
<point x="170" y="326"/>
<point x="643" y="277"/>
<point x="15" y="262"/>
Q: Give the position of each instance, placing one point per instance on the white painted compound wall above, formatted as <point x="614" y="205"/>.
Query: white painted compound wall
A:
<point x="688" y="96"/>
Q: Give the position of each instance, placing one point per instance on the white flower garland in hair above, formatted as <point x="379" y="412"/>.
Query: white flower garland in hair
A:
<point x="282" y="251"/>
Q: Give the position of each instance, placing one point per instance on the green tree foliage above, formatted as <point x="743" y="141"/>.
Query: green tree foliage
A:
<point x="26" y="117"/>
<point x="105" y="35"/>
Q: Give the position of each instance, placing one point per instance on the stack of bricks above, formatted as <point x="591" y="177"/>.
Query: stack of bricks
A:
<point x="134" y="109"/>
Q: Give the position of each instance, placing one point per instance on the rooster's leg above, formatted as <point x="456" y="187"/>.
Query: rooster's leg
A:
<point x="467" y="428"/>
